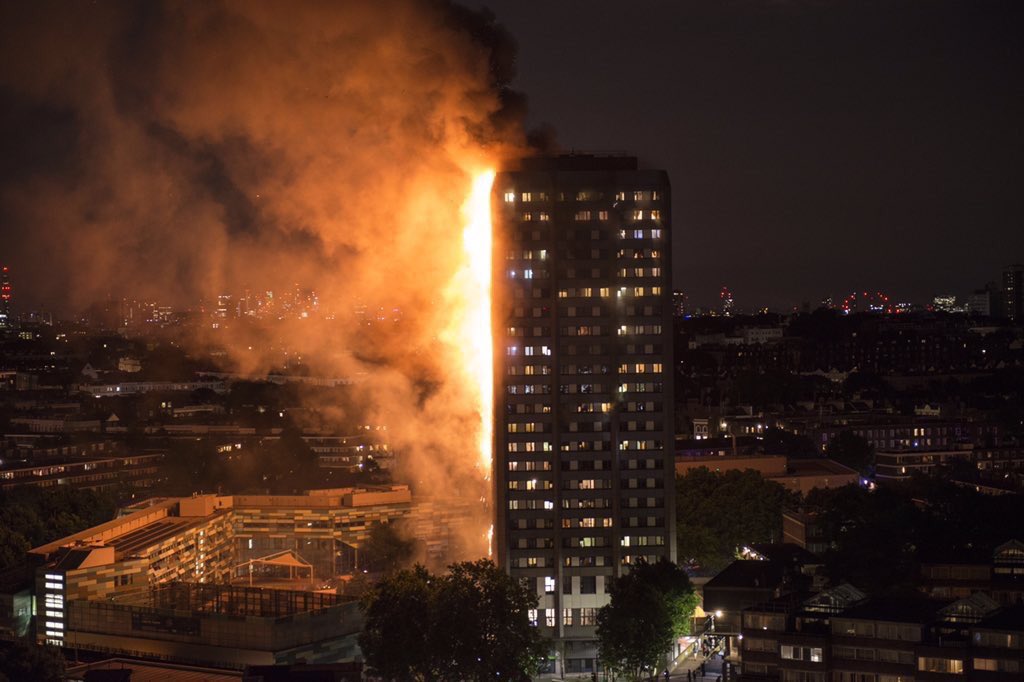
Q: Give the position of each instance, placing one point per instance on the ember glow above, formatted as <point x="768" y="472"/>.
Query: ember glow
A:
<point x="475" y="289"/>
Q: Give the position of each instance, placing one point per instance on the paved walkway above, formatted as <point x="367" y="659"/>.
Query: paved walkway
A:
<point x="711" y="672"/>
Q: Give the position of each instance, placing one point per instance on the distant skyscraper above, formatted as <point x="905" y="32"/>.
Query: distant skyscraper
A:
<point x="980" y="302"/>
<point x="678" y="303"/>
<point x="583" y="429"/>
<point x="727" y="303"/>
<point x="1013" y="292"/>
<point x="5" y="296"/>
<point x="946" y="303"/>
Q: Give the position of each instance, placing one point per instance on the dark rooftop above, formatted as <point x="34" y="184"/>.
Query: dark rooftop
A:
<point x="786" y="553"/>
<point x="1009" y="618"/>
<point x="901" y="609"/>
<point x="580" y="162"/>
<point x="749" y="575"/>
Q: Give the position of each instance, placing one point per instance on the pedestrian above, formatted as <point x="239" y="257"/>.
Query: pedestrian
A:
<point x="702" y="668"/>
<point x="666" y="673"/>
<point x="689" y="676"/>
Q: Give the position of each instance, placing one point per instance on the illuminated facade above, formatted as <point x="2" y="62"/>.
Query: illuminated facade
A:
<point x="583" y="392"/>
<point x="1013" y="292"/>
<point x="135" y="585"/>
<point x="5" y="296"/>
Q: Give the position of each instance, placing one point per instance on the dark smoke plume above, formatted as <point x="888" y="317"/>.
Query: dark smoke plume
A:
<point x="175" y="151"/>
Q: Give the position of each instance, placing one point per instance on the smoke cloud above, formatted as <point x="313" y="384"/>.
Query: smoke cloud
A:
<point x="175" y="151"/>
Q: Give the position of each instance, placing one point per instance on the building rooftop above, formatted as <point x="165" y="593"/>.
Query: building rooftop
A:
<point x="148" y="671"/>
<point x="1009" y="618"/>
<point x="901" y="609"/>
<point x="785" y="553"/>
<point x="748" y="574"/>
<point x="818" y="467"/>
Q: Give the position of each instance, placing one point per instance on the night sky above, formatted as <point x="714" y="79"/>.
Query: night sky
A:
<point x="814" y="147"/>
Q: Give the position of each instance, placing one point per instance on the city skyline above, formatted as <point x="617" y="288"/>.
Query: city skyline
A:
<point x="480" y="339"/>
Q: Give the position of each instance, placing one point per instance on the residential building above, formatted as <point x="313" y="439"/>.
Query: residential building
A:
<point x="840" y="636"/>
<point x="131" y="471"/>
<point x="900" y="465"/>
<point x="583" y="464"/>
<point x="225" y="581"/>
<point x="798" y="475"/>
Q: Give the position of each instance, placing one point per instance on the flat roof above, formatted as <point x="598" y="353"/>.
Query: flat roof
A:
<point x="152" y="671"/>
<point x="748" y="574"/>
<point x="818" y="467"/>
<point x="896" y="609"/>
<point x="1009" y="618"/>
<point x="154" y="533"/>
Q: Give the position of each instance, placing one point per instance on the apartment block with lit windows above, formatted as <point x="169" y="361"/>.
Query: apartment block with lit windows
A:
<point x="583" y="428"/>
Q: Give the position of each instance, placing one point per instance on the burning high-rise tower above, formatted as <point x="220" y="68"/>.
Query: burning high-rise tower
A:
<point x="583" y="410"/>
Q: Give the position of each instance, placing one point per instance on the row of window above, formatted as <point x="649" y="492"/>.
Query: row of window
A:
<point x="531" y="350"/>
<point x="518" y="465"/>
<point x="633" y="214"/>
<point x="871" y="654"/>
<point x="584" y="616"/>
<point x="633" y="233"/>
<point x="593" y="349"/>
<point x="529" y="370"/>
<point x="641" y="387"/>
<point x="528" y="427"/>
<point x="591" y="445"/>
<point x="581" y="561"/>
<point x="594" y="311"/>
<point x="590" y="522"/>
<point x="605" y="292"/>
<point x="527" y="254"/>
<point x="528" y="331"/>
<point x="578" y="503"/>
<point x="583" y="484"/>
<point x="589" y="215"/>
<point x="584" y="465"/>
<point x="637" y="329"/>
<point x="640" y="272"/>
<point x="878" y="630"/>
<point x="582" y="195"/>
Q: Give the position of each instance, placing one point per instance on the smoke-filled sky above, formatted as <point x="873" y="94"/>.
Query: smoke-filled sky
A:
<point x="177" y="150"/>
<point x="814" y="146"/>
<point x="172" y="150"/>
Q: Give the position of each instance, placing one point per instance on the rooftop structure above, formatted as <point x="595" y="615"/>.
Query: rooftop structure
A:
<point x="177" y="571"/>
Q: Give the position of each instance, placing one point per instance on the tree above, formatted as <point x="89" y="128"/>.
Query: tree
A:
<point x="399" y="612"/>
<point x="31" y="516"/>
<point x="872" y="535"/>
<point x="385" y="550"/>
<point x="469" y="624"/>
<point x="711" y="525"/>
<point x="22" y="659"/>
<point x="650" y="607"/>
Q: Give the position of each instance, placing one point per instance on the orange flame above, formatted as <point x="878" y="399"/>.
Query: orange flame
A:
<point x="476" y="324"/>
